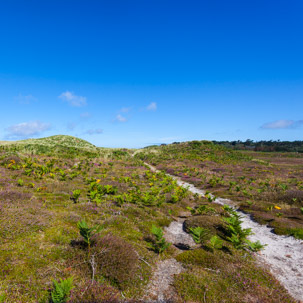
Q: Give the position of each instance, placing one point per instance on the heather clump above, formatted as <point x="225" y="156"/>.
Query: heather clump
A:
<point x="116" y="259"/>
<point x="93" y="292"/>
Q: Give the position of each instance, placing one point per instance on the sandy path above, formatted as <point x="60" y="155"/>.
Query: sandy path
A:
<point x="160" y="287"/>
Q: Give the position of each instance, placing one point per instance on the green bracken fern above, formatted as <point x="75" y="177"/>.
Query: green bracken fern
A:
<point x="87" y="232"/>
<point x="216" y="242"/>
<point x="2" y="298"/>
<point x="159" y="245"/>
<point x="61" y="290"/>
<point x="199" y="234"/>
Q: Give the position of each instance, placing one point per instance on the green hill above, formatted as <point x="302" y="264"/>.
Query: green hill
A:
<point x="54" y="144"/>
<point x="62" y="140"/>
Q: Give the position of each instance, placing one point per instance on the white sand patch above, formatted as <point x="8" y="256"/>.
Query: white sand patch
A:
<point x="160" y="287"/>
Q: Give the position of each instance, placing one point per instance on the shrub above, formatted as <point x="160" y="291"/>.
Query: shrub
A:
<point x="11" y="159"/>
<point x="95" y="292"/>
<point x="296" y="232"/>
<point x="119" y="153"/>
<point x="291" y="197"/>
<point x="213" y="223"/>
<point x="116" y="259"/>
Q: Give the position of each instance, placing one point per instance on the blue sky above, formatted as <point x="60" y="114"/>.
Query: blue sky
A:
<point x="138" y="72"/>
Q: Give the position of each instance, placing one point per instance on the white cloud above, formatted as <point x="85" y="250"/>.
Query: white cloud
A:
<point x="72" y="99"/>
<point x="282" y="124"/>
<point x="120" y="118"/>
<point x="97" y="131"/>
<point x="152" y="106"/>
<point x="27" y="99"/>
<point x="27" y="129"/>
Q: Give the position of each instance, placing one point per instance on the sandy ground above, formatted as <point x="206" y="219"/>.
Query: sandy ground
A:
<point x="160" y="287"/>
<point x="174" y="234"/>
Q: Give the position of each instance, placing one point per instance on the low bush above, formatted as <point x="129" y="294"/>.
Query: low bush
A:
<point x="93" y="292"/>
<point x="116" y="260"/>
<point x="296" y="232"/>
<point x="213" y="223"/>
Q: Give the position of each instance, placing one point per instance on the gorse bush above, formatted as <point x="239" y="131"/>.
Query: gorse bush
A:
<point x="61" y="290"/>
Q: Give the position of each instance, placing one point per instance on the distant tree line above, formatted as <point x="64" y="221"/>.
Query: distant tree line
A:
<point x="266" y="146"/>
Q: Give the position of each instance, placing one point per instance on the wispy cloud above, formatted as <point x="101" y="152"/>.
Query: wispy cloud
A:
<point x="152" y="106"/>
<point x="125" y="109"/>
<point x="96" y="131"/>
<point x="120" y="118"/>
<point x="26" y="129"/>
<point x="25" y="99"/>
<point x="82" y="119"/>
<point x="72" y="99"/>
<point x="71" y="125"/>
<point x="283" y="124"/>
<point x="85" y="115"/>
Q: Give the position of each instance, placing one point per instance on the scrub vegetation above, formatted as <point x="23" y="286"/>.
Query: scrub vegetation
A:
<point x="87" y="224"/>
<point x="269" y="186"/>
